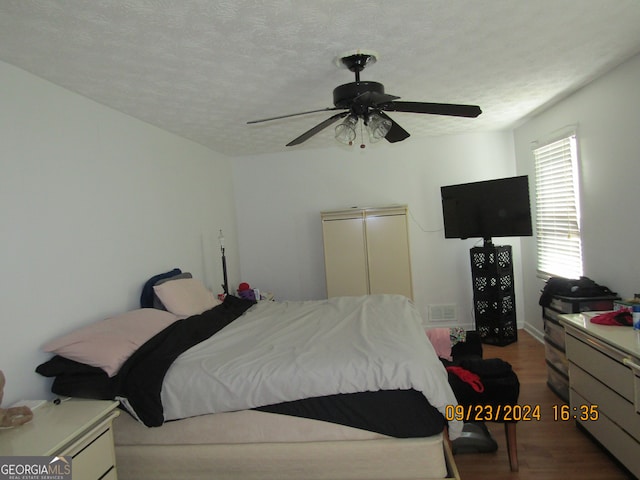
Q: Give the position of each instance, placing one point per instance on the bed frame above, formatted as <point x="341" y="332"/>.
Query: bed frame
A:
<point x="256" y="445"/>
<point x="345" y="460"/>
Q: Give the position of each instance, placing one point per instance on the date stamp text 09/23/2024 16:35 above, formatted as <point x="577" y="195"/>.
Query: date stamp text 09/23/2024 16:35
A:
<point x="519" y="413"/>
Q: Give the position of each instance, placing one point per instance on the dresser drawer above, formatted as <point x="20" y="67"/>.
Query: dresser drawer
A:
<point x="558" y="383"/>
<point x="93" y="453"/>
<point x="635" y="368"/>
<point x="555" y="356"/>
<point x="616" y="408"/>
<point x="95" y="459"/>
<point x="111" y="475"/>
<point x="624" y="447"/>
<point x="601" y="366"/>
<point x="555" y="332"/>
<point x="551" y="314"/>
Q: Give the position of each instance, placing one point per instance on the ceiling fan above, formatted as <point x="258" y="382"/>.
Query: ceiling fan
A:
<point x="367" y="101"/>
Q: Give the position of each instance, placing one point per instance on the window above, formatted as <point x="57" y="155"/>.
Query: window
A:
<point x="558" y="209"/>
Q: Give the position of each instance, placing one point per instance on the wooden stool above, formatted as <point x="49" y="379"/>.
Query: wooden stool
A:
<point x="500" y="388"/>
<point x="512" y="445"/>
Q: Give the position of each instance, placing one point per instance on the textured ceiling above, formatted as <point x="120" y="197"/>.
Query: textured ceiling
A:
<point x="203" y="68"/>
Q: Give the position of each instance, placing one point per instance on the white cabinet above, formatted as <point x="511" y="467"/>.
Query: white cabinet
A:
<point x="77" y="428"/>
<point x="367" y="251"/>
<point x="604" y="381"/>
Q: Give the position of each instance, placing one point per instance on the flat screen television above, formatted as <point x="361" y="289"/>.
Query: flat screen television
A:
<point x="492" y="208"/>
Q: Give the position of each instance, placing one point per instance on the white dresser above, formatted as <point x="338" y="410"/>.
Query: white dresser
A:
<point x="604" y="371"/>
<point x="79" y="428"/>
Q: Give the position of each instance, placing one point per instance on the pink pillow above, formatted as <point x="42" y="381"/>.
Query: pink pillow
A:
<point x="185" y="296"/>
<point x="108" y="343"/>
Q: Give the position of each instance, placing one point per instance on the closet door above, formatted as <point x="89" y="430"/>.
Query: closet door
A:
<point x="389" y="262"/>
<point x="345" y="256"/>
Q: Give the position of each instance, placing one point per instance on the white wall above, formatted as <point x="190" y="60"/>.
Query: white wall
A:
<point x="607" y="114"/>
<point x="93" y="203"/>
<point x="279" y="199"/>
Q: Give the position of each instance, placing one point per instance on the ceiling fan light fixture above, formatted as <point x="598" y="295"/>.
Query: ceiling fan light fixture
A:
<point x="378" y="127"/>
<point x="346" y="131"/>
<point x="367" y="101"/>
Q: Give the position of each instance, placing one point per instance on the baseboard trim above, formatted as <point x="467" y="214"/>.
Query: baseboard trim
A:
<point x="534" y="332"/>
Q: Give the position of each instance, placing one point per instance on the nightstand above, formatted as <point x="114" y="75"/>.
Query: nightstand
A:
<point x="77" y="427"/>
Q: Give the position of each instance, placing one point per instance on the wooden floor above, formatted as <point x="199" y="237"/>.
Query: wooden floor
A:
<point x="546" y="449"/>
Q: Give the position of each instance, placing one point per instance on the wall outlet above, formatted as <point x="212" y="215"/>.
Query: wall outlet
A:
<point x="442" y="313"/>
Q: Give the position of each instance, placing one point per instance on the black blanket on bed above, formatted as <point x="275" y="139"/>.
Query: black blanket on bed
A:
<point x="397" y="413"/>
<point x="141" y="376"/>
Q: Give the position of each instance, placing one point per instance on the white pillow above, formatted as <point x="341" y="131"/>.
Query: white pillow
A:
<point x="185" y="296"/>
<point x="108" y="343"/>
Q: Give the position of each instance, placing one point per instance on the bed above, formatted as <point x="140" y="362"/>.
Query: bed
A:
<point x="347" y="388"/>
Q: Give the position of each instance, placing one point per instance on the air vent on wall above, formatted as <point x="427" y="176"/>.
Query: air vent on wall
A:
<point x="442" y="313"/>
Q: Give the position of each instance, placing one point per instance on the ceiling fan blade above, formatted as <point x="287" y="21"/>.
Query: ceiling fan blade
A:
<point x="318" y="128"/>
<point x="293" y="115"/>
<point x="452" y="109"/>
<point x="396" y="132"/>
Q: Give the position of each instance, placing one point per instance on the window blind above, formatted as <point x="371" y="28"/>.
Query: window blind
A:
<point x="557" y="209"/>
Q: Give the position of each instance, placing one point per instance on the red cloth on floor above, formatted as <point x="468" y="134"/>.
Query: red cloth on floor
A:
<point x="468" y="377"/>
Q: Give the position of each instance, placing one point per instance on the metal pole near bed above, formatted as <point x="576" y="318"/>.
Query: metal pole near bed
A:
<point x="225" y="285"/>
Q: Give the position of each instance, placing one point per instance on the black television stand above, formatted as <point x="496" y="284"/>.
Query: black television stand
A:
<point x="494" y="302"/>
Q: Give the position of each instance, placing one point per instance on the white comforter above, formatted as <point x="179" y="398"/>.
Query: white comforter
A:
<point x="286" y="351"/>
